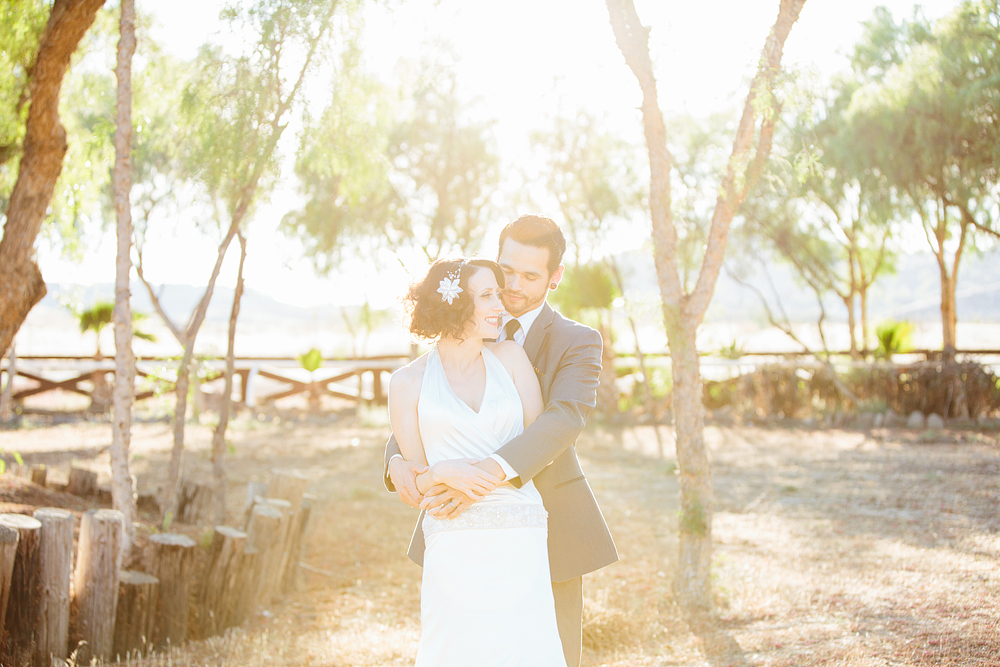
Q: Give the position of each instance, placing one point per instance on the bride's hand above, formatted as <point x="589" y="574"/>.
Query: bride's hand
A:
<point x="462" y="476"/>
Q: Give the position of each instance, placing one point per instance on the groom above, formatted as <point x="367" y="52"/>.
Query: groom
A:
<point x="567" y="359"/>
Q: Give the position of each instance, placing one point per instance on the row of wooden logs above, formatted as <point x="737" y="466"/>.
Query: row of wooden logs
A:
<point x="121" y="612"/>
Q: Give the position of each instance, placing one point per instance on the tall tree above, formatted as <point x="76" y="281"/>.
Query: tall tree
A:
<point x="238" y="107"/>
<point x="44" y="146"/>
<point x="421" y="180"/>
<point x="445" y="167"/>
<point x="122" y="487"/>
<point x="931" y="127"/>
<point x="684" y="310"/>
<point x="589" y="173"/>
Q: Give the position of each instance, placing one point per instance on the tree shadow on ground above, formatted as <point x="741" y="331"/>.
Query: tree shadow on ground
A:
<point x="719" y="647"/>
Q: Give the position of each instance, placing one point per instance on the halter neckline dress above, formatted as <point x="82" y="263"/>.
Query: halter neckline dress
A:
<point x="486" y="593"/>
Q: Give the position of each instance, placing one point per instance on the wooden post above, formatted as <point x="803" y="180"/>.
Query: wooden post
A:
<point x="55" y="566"/>
<point x="274" y="552"/>
<point x="170" y="558"/>
<point x="95" y="582"/>
<point x="135" y="620"/>
<point x="38" y="475"/>
<point x="263" y="538"/>
<point x="288" y="485"/>
<point x="82" y="482"/>
<point x="22" y="605"/>
<point x="254" y="490"/>
<point x="9" y="538"/>
<point x="300" y="522"/>
<point x="195" y="504"/>
<point x="220" y="590"/>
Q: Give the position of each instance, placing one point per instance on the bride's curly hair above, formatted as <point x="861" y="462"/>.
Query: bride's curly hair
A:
<point x="431" y="317"/>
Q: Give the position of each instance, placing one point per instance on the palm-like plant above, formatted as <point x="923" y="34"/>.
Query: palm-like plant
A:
<point x="893" y="338"/>
<point x="101" y="315"/>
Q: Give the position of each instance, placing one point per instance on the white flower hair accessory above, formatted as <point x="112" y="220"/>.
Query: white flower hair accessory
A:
<point x="448" y="287"/>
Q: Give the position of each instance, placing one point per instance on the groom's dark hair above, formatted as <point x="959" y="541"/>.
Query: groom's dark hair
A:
<point x="540" y="232"/>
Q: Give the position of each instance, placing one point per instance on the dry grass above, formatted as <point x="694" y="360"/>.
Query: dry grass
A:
<point x="832" y="547"/>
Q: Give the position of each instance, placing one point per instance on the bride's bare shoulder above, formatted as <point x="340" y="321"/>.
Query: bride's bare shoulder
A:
<point x="408" y="378"/>
<point x="510" y="354"/>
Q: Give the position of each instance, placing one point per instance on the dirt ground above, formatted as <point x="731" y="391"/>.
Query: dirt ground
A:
<point x="832" y="547"/>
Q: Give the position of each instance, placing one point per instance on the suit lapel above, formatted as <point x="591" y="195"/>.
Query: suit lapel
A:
<point x="538" y="333"/>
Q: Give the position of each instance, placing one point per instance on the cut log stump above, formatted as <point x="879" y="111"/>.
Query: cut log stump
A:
<point x="273" y="551"/>
<point x="8" y="552"/>
<point x="55" y="567"/>
<point x="95" y="582"/>
<point x="39" y="475"/>
<point x="220" y="593"/>
<point x="300" y="525"/>
<point x="136" y="615"/>
<point x="288" y="485"/>
<point x="170" y="558"/>
<point x="82" y="482"/>
<point x="22" y="605"/>
<point x="263" y="535"/>
<point x="195" y="503"/>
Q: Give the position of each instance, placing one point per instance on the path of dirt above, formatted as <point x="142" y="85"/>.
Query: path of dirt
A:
<point x="832" y="547"/>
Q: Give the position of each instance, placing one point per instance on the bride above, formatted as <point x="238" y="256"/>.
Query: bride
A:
<point x="486" y="595"/>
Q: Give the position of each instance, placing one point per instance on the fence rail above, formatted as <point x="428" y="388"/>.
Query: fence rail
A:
<point x="77" y="374"/>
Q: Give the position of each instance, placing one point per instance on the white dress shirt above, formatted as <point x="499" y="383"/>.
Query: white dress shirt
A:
<point x="526" y="320"/>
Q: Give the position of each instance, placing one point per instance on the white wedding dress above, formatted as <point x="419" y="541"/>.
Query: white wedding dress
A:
<point x="486" y="594"/>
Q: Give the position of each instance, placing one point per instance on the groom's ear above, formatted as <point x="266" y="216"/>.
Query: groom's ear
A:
<point x="556" y="277"/>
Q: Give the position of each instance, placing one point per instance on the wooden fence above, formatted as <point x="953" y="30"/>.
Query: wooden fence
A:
<point x="118" y="613"/>
<point x="351" y="379"/>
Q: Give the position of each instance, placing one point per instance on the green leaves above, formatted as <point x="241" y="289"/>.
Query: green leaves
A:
<point x="585" y="287"/>
<point x="311" y="360"/>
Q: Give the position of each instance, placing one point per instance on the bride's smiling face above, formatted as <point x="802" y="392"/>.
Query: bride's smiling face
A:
<point x="485" y="293"/>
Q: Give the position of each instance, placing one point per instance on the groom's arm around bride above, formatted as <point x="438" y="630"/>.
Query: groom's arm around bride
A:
<point x="566" y="356"/>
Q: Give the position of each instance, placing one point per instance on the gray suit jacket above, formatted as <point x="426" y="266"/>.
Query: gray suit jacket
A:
<point x="567" y="359"/>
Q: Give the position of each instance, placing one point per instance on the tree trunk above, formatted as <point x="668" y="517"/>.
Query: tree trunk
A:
<point x="170" y="558"/>
<point x="863" y="304"/>
<point x="44" y="147"/>
<point x="219" y="437"/>
<point x="55" y="567"/>
<point x="22" y="605"/>
<point x="683" y="312"/>
<point x="135" y="619"/>
<point x="122" y="489"/>
<point x="949" y="315"/>
<point x="851" y="324"/>
<point x="7" y="395"/>
<point x="172" y="487"/>
<point x="692" y="580"/>
<point x="95" y="582"/>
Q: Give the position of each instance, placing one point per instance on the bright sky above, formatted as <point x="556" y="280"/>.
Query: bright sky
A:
<point x="527" y="61"/>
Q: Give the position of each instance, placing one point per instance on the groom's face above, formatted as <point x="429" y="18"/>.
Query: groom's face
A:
<point x="526" y="272"/>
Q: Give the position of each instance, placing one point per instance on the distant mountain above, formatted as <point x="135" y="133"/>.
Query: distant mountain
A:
<point x="179" y="301"/>
<point x="913" y="292"/>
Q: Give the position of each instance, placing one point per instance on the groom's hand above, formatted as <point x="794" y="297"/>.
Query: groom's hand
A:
<point x="444" y="502"/>
<point x="403" y="474"/>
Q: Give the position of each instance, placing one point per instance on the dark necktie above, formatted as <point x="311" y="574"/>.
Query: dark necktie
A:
<point x="511" y="328"/>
